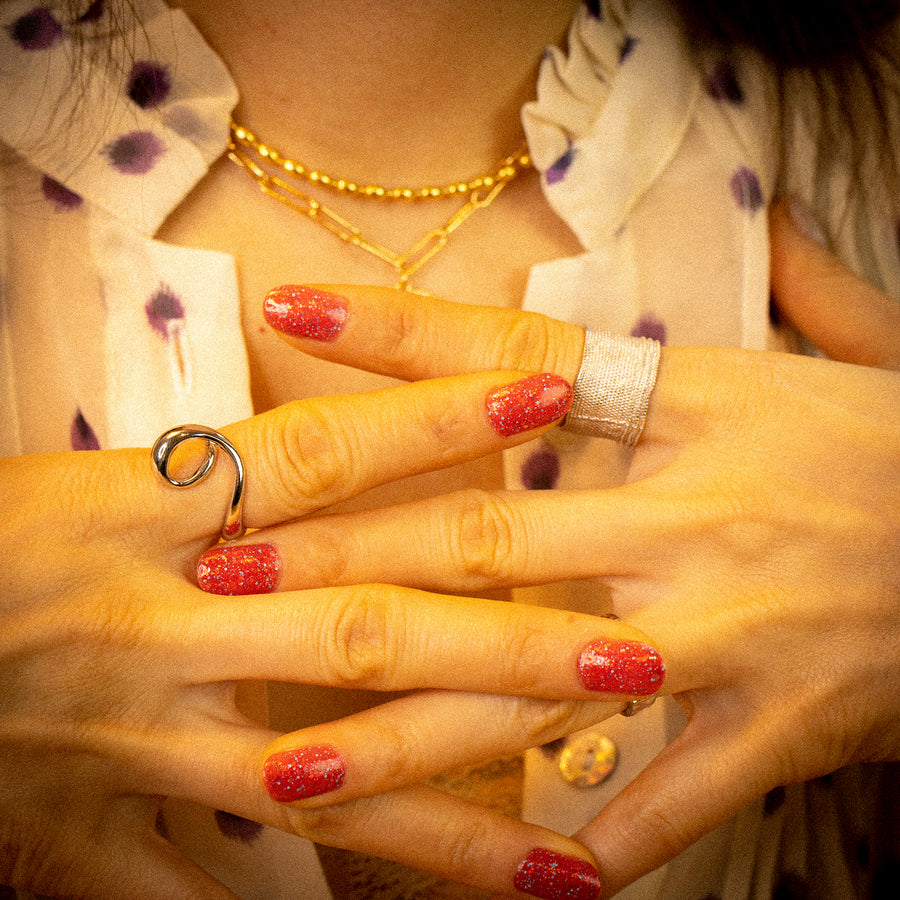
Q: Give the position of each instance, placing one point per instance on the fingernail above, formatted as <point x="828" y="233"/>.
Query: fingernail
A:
<point x="529" y="403"/>
<point x="806" y="222"/>
<point x="305" y="312"/>
<point x="243" y="569"/>
<point x="621" y="667"/>
<point x="304" y="772"/>
<point x="555" y="876"/>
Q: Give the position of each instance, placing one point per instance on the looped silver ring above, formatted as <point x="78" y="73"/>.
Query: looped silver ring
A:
<point x="611" y="394"/>
<point x="162" y="453"/>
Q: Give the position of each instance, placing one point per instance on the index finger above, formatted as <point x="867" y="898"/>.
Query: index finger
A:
<point x="313" y="453"/>
<point x="392" y="332"/>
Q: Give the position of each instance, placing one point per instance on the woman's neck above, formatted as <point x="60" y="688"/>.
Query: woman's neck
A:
<point x="393" y="91"/>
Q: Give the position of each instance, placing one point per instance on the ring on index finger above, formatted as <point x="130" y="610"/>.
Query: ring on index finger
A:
<point x="165" y="446"/>
<point x="613" y="387"/>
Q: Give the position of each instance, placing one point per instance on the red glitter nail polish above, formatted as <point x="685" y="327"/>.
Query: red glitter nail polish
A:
<point x="529" y="403"/>
<point x="304" y="772"/>
<point x="241" y="569"/>
<point x="621" y="667"/>
<point x="555" y="876"/>
<point x="305" y="312"/>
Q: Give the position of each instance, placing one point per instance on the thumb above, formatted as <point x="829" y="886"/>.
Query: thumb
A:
<point x="845" y="317"/>
<point x="699" y="781"/>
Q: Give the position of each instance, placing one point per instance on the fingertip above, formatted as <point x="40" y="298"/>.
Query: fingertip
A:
<point x="529" y="403"/>
<point x="237" y="570"/>
<point x="302" y="311"/>
<point x="550" y="874"/>
<point x="301" y="772"/>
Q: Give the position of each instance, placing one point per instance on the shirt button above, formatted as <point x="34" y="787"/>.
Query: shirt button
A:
<point x="587" y="759"/>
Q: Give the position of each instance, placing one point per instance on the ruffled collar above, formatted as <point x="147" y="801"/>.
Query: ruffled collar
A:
<point x="633" y="130"/>
<point x="128" y="115"/>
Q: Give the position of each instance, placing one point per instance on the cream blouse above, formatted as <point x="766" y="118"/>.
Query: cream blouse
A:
<point x="662" y="168"/>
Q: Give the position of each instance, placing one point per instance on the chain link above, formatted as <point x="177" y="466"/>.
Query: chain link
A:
<point x="481" y="193"/>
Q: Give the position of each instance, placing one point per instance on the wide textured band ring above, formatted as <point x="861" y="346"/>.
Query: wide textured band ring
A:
<point x="613" y="387"/>
<point x="162" y="454"/>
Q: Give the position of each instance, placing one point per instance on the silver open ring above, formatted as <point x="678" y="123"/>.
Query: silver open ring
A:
<point x="613" y="387"/>
<point x="162" y="453"/>
<point x="633" y="707"/>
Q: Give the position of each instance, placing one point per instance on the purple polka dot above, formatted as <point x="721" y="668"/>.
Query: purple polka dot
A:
<point x="236" y="828"/>
<point x="163" y="308"/>
<point x="774" y="800"/>
<point x="149" y="84"/>
<point x="93" y="13"/>
<point x="36" y="30"/>
<point x="595" y="9"/>
<point x="650" y="326"/>
<point x="558" y="170"/>
<point x="540" y="472"/>
<point x="59" y="195"/>
<point x="746" y="190"/>
<point x="81" y="435"/>
<point x="134" y="153"/>
<point x="627" y="48"/>
<point x="723" y="84"/>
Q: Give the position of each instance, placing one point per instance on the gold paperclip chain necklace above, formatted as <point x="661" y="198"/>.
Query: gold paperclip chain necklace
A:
<point x="479" y="192"/>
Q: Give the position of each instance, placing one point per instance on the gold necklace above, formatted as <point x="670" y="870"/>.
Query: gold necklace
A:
<point x="479" y="193"/>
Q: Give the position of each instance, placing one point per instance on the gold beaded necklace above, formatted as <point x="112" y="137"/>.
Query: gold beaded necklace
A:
<point x="479" y="193"/>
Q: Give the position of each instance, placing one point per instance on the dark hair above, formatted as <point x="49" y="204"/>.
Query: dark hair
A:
<point x="819" y="36"/>
<point x="838" y="58"/>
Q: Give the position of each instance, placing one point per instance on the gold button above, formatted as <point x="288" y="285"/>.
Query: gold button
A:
<point x="588" y="759"/>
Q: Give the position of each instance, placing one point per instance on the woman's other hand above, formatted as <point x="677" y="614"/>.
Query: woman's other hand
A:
<point x="118" y="673"/>
<point x="758" y="537"/>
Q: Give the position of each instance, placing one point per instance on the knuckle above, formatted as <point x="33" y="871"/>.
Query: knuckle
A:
<point x="396" y="345"/>
<point x="525" y="655"/>
<point x="328" y="825"/>
<point x="313" y="455"/>
<point x="543" y="721"/>
<point x="486" y="541"/>
<point x="398" y="758"/>
<point x="525" y="340"/>
<point x="447" y="428"/>
<point x="464" y="848"/>
<point x="668" y="830"/>
<point x="360" y="639"/>
<point x="325" y="554"/>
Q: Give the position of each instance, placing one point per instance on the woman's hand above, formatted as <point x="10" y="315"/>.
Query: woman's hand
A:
<point x="118" y="673"/>
<point x="758" y="537"/>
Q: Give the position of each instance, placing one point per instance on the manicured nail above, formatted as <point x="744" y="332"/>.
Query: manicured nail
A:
<point x="304" y="772"/>
<point x="529" y="403"/>
<point x="305" y="312"/>
<point x="621" y="667"/>
<point x="243" y="569"/>
<point x="555" y="876"/>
